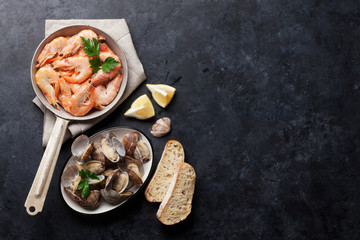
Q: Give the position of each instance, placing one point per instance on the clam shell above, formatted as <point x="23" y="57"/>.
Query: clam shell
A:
<point x="120" y="149"/>
<point x="79" y="145"/>
<point x="97" y="184"/>
<point x="92" y="201"/>
<point x="116" y="183"/>
<point x="134" y="173"/>
<point x="72" y="194"/>
<point x="95" y="166"/>
<point x="108" y="150"/>
<point x="107" y="172"/>
<point x="129" y="142"/>
<point x="120" y="182"/>
<point x="129" y="160"/>
<point x="126" y="193"/>
<point x="70" y="177"/>
<point x="75" y="182"/>
<point x="113" y="197"/>
<point x="87" y="151"/>
<point x="142" y="151"/>
<point x="97" y="153"/>
<point x="161" y="127"/>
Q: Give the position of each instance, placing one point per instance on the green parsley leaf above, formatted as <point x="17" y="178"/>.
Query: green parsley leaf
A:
<point x="81" y="185"/>
<point x="86" y="191"/>
<point x="109" y="64"/>
<point x="84" y="184"/>
<point x="83" y="173"/>
<point x="92" y="47"/>
<point x="93" y="176"/>
<point x="95" y="64"/>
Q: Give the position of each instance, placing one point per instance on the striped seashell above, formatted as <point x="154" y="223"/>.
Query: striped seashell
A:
<point x="161" y="127"/>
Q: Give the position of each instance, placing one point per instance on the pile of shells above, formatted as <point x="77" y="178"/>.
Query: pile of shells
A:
<point x="117" y="163"/>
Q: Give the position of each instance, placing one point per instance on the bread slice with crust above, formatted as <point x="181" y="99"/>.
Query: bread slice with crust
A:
<point x="177" y="202"/>
<point x="173" y="154"/>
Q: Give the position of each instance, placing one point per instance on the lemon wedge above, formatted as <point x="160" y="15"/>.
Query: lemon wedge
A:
<point x="141" y="108"/>
<point x="161" y="93"/>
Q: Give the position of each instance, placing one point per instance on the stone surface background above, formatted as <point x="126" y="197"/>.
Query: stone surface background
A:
<point x="267" y="109"/>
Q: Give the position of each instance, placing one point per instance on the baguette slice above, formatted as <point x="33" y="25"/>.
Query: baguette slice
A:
<point x="177" y="202"/>
<point x="173" y="155"/>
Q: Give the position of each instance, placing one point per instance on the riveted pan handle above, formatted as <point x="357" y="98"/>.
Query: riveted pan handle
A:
<point x="37" y="194"/>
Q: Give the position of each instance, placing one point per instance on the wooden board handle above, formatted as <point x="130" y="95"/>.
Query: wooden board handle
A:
<point x="35" y="200"/>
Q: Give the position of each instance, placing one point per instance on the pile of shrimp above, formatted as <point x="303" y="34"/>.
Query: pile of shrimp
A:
<point x="65" y="77"/>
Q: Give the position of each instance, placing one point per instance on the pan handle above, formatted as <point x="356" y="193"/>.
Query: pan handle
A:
<point x="37" y="194"/>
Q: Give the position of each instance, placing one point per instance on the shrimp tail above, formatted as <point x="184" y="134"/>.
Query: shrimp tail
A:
<point x="56" y="105"/>
<point x="98" y="106"/>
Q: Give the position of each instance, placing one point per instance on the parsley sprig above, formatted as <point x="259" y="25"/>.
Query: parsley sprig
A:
<point x="84" y="184"/>
<point x="109" y="64"/>
<point x="92" y="49"/>
<point x="95" y="64"/>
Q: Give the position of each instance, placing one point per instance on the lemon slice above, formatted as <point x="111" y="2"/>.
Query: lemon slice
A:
<point x="161" y="93"/>
<point x="141" y="108"/>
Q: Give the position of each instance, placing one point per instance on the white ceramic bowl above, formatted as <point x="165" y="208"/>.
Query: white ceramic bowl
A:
<point x="105" y="206"/>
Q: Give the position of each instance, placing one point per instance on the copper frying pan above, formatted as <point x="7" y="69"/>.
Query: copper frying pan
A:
<point x="37" y="194"/>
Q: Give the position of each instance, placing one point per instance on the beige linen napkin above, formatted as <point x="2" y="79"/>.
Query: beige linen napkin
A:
<point x="119" y="31"/>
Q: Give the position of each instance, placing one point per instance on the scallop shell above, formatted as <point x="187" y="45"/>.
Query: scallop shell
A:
<point x="161" y="127"/>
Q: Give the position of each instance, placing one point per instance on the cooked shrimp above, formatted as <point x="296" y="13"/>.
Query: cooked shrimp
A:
<point x="48" y="81"/>
<point x="75" y="42"/>
<point x="51" y="50"/>
<point x="74" y="86"/>
<point x="105" y="95"/>
<point x="102" y="77"/>
<point x="81" y="102"/>
<point x="81" y="53"/>
<point x="66" y="73"/>
<point x="65" y="93"/>
<point x="106" y="52"/>
<point x="80" y="65"/>
<point x="65" y="76"/>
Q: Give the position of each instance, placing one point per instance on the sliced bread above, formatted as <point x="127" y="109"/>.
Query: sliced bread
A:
<point x="173" y="155"/>
<point x="177" y="202"/>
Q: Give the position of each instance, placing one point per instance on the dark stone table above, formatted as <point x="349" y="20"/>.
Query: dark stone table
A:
<point x="267" y="109"/>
